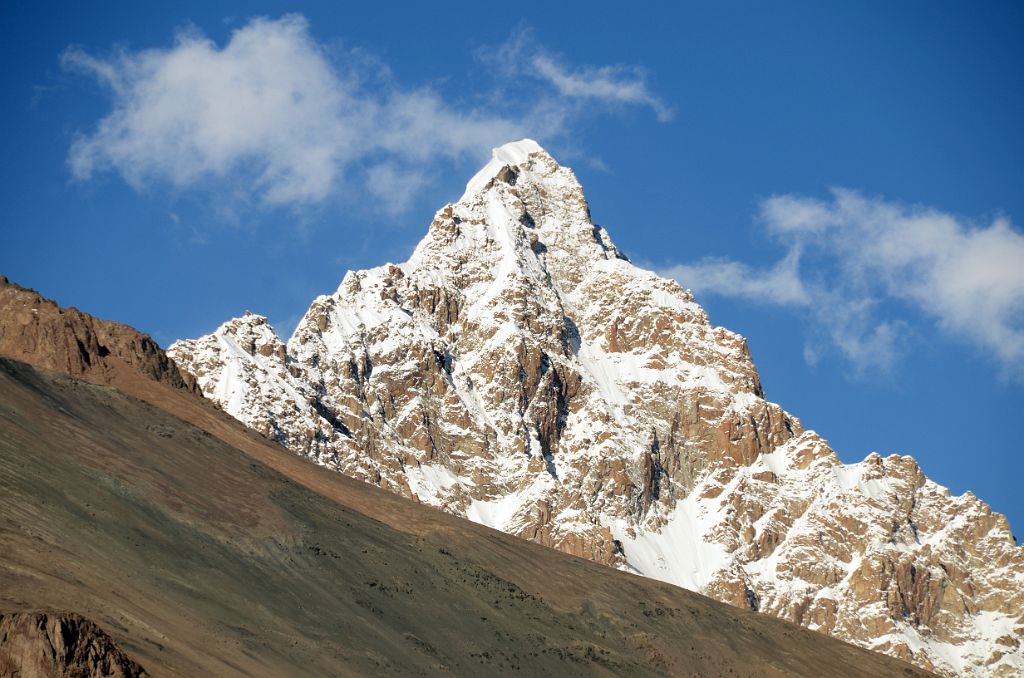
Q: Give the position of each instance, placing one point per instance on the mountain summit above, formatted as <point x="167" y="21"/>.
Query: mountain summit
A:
<point x="519" y="371"/>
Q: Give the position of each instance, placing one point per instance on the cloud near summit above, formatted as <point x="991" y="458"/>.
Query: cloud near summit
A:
<point x="287" y="121"/>
<point x="854" y="263"/>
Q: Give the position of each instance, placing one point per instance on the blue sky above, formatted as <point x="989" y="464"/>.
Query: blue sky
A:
<point x="840" y="184"/>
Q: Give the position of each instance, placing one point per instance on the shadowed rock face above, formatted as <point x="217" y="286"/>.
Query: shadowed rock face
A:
<point x="205" y="549"/>
<point x="41" y="333"/>
<point x="518" y="371"/>
<point x="60" y="645"/>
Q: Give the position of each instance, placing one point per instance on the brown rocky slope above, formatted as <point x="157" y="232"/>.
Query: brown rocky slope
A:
<point x="38" y="331"/>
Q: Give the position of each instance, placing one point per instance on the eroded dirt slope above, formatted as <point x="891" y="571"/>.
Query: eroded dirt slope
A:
<point x="209" y="550"/>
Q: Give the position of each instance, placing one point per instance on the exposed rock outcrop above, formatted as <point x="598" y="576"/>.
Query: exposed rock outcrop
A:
<point x="38" y="331"/>
<point x="60" y="645"/>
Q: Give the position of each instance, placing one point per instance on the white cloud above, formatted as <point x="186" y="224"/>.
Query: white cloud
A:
<point x="624" y="84"/>
<point x="394" y="186"/>
<point x="794" y="214"/>
<point x="780" y="284"/>
<point x="268" y="104"/>
<point x="283" y="120"/>
<point x="850" y="255"/>
<point x="521" y="55"/>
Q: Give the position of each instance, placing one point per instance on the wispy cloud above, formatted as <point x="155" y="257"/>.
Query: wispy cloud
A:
<point x="287" y="122"/>
<point x="622" y="84"/>
<point x="780" y="284"/>
<point x="849" y="256"/>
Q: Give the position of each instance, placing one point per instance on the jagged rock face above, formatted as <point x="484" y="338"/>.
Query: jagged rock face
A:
<point x="58" y="645"/>
<point x="520" y="372"/>
<point x="38" y="331"/>
<point x="244" y="368"/>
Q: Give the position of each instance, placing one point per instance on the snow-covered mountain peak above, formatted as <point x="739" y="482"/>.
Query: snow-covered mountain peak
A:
<point x="516" y="152"/>
<point x="517" y="370"/>
<point x="509" y="155"/>
<point x="527" y="221"/>
<point x="252" y="334"/>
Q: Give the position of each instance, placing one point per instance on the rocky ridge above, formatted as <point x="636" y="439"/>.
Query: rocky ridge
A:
<point x="519" y="371"/>
<point x="38" y="331"/>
